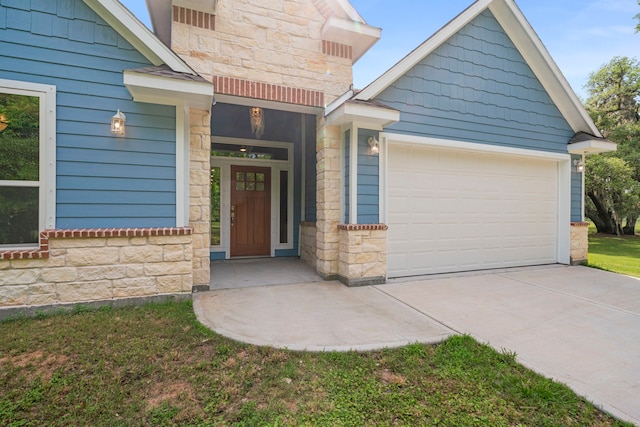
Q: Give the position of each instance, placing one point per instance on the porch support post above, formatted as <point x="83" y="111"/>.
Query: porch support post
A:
<point x="200" y="196"/>
<point x="328" y="199"/>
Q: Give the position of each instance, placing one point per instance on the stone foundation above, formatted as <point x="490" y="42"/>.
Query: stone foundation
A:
<point x="579" y="242"/>
<point x="78" y="266"/>
<point x="363" y="254"/>
<point x="308" y="242"/>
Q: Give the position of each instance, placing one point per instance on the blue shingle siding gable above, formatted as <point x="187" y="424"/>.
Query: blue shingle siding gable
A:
<point x="477" y="87"/>
<point x="102" y="180"/>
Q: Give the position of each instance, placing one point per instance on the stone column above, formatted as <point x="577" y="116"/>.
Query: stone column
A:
<point x="200" y="196"/>
<point x="579" y="243"/>
<point x="328" y="200"/>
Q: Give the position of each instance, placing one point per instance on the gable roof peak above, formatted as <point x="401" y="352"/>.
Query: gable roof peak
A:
<point x="526" y="41"/>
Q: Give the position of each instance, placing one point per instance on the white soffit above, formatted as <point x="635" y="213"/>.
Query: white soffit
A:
<point x="370" y="115"/>
<point x="526" y="41"/>
<point x="136" y="33"/>
<point x="168" y="91"/>
<point x="357" y="34"/>
<point x="592" y="146"/>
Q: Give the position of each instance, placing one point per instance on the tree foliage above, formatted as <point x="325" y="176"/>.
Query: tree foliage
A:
<point x="613" y="179"/>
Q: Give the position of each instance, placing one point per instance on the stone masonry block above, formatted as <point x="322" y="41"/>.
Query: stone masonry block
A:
<point x="107" y="272"/>
<point x="169" y="284"/>
<point x="18" y="277"/>
<point x="84" y="291"/>
<point x="93" y="256"/>
<point x="57" y="275"/>
<point x="167" y="268"/>
<point x="140" y="254"/>
<point x="13" y="295"/>
<point x="173" y="253"/>
<point x="77" y="243"/>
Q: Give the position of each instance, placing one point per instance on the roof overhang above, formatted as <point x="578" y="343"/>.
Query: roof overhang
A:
<point x="366" y="115"/>
<point x="592" y="146"/>
<point x="136" y="33"/>
<point x="357" y="34"/>
<point x="526" y="41"/>
<point x="168" y="91"/>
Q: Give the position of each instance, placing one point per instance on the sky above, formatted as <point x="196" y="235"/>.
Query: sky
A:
<point x="581" y="35"/>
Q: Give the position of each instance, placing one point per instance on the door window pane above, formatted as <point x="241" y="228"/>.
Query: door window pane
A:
<point x="284" y="206"/>
<point x="215" y="206"/>
<point x="19" y="214"/>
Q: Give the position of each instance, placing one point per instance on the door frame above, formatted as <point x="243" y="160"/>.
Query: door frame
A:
<point x="276" y="166"/>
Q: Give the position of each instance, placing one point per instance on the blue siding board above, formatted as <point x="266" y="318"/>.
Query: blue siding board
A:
<point x="42" y="23"/>
<point x="217" y="256"/>
<point x="102" y="180"/>
<point x="347" y="163"/>
<point x="477" y="87"/>
<point x="368" y="180"/>
<point x="576" y="193"/>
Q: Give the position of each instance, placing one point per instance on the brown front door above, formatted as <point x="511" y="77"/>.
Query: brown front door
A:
<point x="250" y="211"/>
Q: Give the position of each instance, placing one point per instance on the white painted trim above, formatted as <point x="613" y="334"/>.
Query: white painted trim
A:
<point x="394" y="73"/>
<point x="592" y="147"/>
<point x="182" y="166"/>
<point x="470" y="146"/>
<point x="563" y="247"/>
<point x="353" y="175"/>
<point x="338" y="102"/>
<point x="369" y="116"/>
<point x="382" y="179"/>
<point x="583" y="192"/>
<point x="136" y="33"/>
<point x="528" y="44"/>
<point x="47" y="147"/>
<point x="224" y="163"/>
<point x="168" y="91"/>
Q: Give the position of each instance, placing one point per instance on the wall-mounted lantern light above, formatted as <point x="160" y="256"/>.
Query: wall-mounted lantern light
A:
<point x="3" y="122"/>
<point x="578" y="165"/>
<point x="243" y="149"/>
<point x="117" y="123"/>
<point x="374" y="146"/>
<point x="257" y="121"/>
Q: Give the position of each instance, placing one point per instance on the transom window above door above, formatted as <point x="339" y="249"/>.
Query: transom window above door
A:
<point x="249" y="152"/>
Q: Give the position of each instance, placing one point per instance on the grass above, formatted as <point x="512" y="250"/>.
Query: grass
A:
<point x="617" y="254"/>
<point x="156" y="365"/>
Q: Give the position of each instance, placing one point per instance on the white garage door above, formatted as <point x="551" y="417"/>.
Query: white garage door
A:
<point x="451" y="211"/>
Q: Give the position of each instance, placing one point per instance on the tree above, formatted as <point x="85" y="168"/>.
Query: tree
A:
<point x="638" y="18"/>
<point x="614" y="105"/>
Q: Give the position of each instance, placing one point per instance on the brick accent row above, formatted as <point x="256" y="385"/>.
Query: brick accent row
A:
<point x="337" y="49"/>
<point x="267" y="92"/>
<point x="194" y="18"/>
<point x="360" y="227"/>
<point x="43" y="247"/>
<point x="579" y="224"/>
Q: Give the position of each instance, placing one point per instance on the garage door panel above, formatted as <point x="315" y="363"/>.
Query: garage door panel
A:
<point x="456" y="211"/>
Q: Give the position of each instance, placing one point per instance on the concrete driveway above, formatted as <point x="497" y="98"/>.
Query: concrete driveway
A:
<point x="577" y="325"/>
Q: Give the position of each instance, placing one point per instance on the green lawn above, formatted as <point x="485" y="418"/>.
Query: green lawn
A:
<point x="156" y="365"/>
<point x="617" y="254"/>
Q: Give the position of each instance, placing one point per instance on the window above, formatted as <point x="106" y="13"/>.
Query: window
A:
<point x="27" y="165"/>
<point x="215" y="206"/>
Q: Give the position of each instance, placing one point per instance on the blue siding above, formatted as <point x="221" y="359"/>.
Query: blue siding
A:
<point x="310" y="169"/>
<point x="368" y="180"/>
<point x="102" y="180"/>
<point x="477" y="87"/>
<point x="347" y="156"/>
<point x="576" y="193"/>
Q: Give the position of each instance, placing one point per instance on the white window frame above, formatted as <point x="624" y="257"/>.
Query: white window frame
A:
<point x="47" y="151"/>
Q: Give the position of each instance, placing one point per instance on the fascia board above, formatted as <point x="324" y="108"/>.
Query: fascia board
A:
<point x="357" y="34"/>
<point x="143" y="40"/>
<point x="592" y="146"/>
<point x="168" y="91"/>
<point x="375" y="117"/>
<point x="408" y="62"/>
<point x="543" y="66"/>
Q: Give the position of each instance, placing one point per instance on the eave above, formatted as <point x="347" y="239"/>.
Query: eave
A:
<point x="168" y="91"/>
<point x="360" y="36"/>
<point x="372" y="116"/>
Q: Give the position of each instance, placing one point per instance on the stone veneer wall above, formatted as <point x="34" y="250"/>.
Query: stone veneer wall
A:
<point x="328" y="201"/>
<point x="278" y="42"/>
<point x="74" y="266"/>
<point x="200" y="196"/>
<point x="579" y="242"/>
<point x="363" y="254"/>
<point x="308" y="242"/>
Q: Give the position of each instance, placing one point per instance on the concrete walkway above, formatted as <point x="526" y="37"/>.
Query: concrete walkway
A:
<point x="577" y="325"/>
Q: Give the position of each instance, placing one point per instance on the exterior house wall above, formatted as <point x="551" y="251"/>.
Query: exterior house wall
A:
<point x="368" y="180"/>
<point x="363" y="254"/>
<point x="576" y="193"/>
<point x="115" y="236"/>
<point x="477" y="87"/>
<point x="276" y="43"/>
<point x="579" y="242"/>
